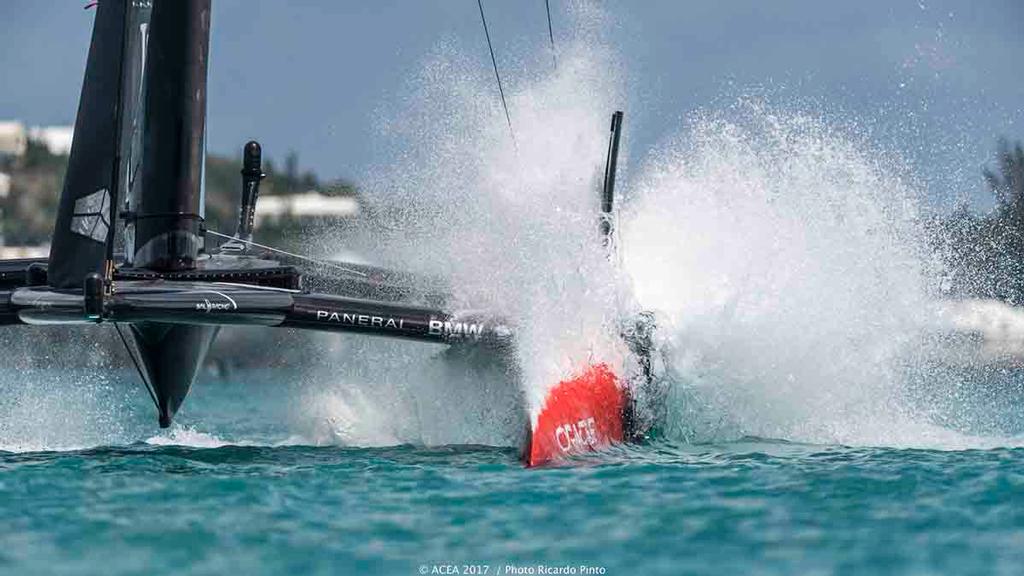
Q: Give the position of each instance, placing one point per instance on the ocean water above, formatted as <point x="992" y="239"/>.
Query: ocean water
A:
<point x="253" y="480"/>
<point x="751" y="506"/>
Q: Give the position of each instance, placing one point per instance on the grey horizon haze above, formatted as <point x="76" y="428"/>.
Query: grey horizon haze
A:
<point x="933" y="81"/>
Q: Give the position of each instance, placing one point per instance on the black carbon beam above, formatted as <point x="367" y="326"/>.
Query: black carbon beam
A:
<point x="216" y="304"/>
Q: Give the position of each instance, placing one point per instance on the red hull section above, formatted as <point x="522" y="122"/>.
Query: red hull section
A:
<point x="579" y="415"/>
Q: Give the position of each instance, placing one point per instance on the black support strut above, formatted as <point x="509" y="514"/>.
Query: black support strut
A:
<point x="608" y="188"/>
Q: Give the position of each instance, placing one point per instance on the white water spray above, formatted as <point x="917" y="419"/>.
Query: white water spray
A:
<point x="784" y="255"/>
<point x="509" y="226"/>
<point x="788" y="262"/>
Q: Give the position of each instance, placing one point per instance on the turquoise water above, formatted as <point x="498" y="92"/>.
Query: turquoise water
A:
<point x="744" y="507"/>
<point x="247" y="483"/>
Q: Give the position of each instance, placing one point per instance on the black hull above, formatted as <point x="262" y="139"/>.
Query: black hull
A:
<point x="170" y="325"/>
<point x="225" y="304"/>
<point x="169" y="357"/>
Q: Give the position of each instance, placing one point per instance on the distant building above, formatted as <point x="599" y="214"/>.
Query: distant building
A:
<point x="57" y="139"/>
<point x="307" y="205"/>
<point x="13" y="139"/>
<point x="12" y="252"/>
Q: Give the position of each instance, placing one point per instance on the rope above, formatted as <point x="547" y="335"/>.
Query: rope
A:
<point x="291" y="254"/>
<point x="131" y="354"/>
<point x="497" y="76"/>
<point x="551" y="34"/>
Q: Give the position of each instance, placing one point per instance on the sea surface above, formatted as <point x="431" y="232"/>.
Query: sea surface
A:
<point x="229" y="491"/>
<point x="745" y="507"/>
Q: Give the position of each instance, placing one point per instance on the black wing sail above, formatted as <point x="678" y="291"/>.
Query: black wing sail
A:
<point x="98" y="168"/>
<point x="167" y="219"/>
<point x="133" y="99"/>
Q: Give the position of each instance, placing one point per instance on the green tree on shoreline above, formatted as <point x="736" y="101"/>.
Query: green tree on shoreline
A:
<point x="1008" y="184"/>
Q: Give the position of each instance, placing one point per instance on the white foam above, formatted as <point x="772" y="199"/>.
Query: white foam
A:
<point x="178" y="435"/>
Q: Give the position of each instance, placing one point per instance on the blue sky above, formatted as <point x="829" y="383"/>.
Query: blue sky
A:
<point x="935" y="81"/>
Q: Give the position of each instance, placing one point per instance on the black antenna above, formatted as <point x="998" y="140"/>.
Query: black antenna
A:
<point x="551" y="34"/>
<point x="608" y="190"/>
<point x="497" y="76"/>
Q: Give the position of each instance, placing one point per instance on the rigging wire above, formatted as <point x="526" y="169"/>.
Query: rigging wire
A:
<point x="551" y="34"/>
<point x="497" y="76"/>
<point x="131" y="354"/>
<point x="324" y="263"/>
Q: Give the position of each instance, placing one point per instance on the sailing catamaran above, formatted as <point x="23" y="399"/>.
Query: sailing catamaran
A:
<point x="129" y="243"/>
